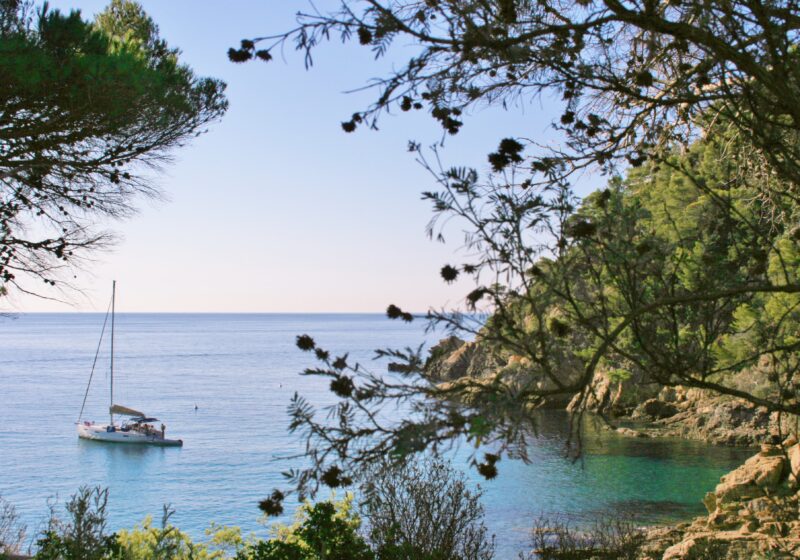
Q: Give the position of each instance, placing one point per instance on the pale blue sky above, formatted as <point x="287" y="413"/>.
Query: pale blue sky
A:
<point x="276" y="209"/>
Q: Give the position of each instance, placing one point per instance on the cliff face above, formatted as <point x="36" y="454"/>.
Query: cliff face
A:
<point x="453" y="358"/>
<point x="617" y="398"/>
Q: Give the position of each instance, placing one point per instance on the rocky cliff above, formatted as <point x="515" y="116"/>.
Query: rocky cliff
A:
<point x="640" y="407"/>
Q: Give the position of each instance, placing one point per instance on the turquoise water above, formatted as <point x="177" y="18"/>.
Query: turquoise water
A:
<point x="240" y="371"/>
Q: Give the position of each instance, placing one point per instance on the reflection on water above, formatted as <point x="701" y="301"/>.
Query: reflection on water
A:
<point x="598" y="439"/>
<point x="649" y="511"/>
<point x="114" y="455"/>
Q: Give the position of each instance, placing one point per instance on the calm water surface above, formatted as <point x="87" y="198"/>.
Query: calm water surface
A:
<point x="240" y="372"/>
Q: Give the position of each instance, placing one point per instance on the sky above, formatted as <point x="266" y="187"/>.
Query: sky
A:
<point x="276" y="209"/>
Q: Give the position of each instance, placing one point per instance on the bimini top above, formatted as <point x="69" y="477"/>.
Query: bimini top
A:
<point x="124" y="410"/>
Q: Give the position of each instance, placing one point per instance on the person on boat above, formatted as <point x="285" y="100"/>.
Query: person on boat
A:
<point x="163" y="430"/>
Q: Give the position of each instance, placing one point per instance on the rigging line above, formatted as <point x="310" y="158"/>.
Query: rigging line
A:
<point x="94" y="363"/>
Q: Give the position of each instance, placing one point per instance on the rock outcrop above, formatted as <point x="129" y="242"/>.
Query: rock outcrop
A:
<point x="694" y="414"/>
<point x="453" y="358"/>
<point x="655" y="409"/>
<point x="612" y="396"/>
<point x="753" y="513"/>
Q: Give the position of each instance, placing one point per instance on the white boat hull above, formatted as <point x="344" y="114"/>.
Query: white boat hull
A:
<point x="100" y="432"/>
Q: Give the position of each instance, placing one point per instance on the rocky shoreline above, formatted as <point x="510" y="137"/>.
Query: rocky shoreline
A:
<point x="701" y="417"/>
<point x="752" y="513"/>
<point x="635" y="407"/>
<point x="689" y="414"/>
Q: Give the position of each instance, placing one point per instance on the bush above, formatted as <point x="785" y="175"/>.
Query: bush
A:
<point x="83" y="536"/>
<point x="323" y="531"/>
<point x="12" y="534"/>
<point x="606" y="540"/>
<point x="424" y="511"/>
<point x="145" y="542"/>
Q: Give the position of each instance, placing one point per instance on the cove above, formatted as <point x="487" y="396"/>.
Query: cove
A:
<point x="240" y="370"/>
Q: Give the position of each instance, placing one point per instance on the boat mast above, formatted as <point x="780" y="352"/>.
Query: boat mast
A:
<point x="113" y="300"/>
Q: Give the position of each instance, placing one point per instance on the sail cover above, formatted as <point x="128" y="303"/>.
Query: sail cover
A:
<point x="124" y="410"/>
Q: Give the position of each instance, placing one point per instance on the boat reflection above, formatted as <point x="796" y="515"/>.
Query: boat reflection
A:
<point x="120" y="459"/>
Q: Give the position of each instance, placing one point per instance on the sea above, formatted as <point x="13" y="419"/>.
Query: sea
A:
<point x="222" y="383"/>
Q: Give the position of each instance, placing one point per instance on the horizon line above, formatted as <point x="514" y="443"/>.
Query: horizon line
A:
<point x="383" y="312"/>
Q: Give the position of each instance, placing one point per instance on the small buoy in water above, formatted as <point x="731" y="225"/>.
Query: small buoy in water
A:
<point x="195" y="407"/>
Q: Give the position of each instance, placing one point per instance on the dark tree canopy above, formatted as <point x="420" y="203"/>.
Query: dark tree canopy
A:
<point x="683" y="269"/>
<point x="85" y="109"/>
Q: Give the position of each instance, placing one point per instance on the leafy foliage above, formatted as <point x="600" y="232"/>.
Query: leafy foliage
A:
<point x="323" y="531"/>
<point x="83" y="536"/>
<point x="424" y="511"/>
<point x="167" y="542"/>
<point x="85" y="110"/>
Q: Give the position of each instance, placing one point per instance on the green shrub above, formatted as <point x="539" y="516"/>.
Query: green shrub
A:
<point x="323" y="531"/>
<point x="83" y="536"/>
<point x="423" y="511"/>
<point x="145" y="542"/>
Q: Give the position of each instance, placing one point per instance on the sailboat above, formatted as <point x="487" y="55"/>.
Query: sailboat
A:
<point x="136" y="427"/>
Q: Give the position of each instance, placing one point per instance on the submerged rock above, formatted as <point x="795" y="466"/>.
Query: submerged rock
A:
<point x="628" y="432"/>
